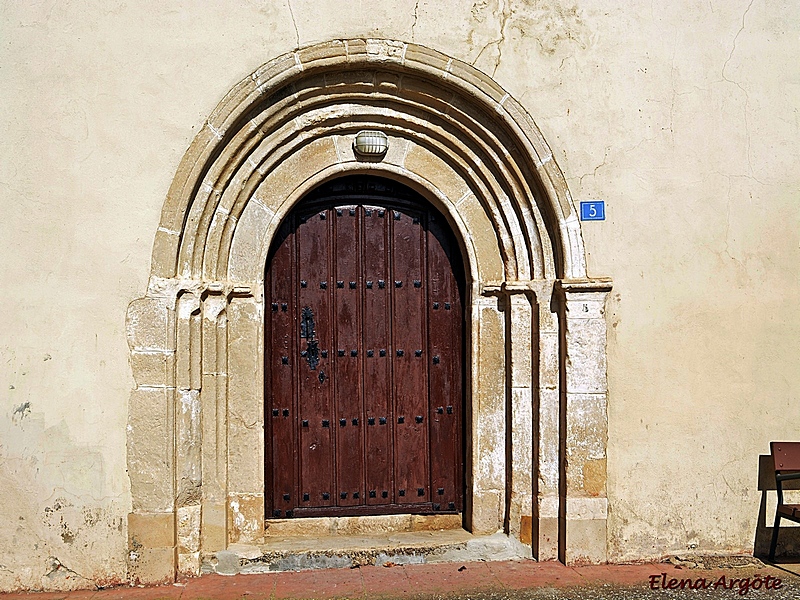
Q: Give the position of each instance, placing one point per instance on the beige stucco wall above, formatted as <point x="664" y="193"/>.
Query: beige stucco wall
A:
<point x="681" y="116"/>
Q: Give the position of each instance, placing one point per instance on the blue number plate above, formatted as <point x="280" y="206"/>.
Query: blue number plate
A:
<point x="593" y="211"/>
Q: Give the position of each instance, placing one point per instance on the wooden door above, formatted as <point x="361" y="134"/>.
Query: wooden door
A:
<point x="364" y="356"/>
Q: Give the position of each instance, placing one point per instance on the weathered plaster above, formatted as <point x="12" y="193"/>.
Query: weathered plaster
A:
<point x="681" y="116"/>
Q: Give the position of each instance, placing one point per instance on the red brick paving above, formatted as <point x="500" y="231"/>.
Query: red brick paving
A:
<point x="395" y="581"/>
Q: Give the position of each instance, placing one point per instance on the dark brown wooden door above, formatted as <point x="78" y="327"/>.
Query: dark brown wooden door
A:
<point x="364" y="355"/>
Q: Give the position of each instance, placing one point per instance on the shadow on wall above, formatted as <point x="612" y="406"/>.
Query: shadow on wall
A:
<point x="789" y="536"/>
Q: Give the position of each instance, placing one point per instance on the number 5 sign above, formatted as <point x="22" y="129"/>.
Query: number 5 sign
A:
<point x="593" y="211"/>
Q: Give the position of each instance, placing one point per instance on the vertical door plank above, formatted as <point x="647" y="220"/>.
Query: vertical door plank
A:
<point x="280" y="376"/>
<point x="377" y="371"/>
<point x="348" y="357"/>
<point x="444" y="317"/>
<point x="314" y="398"/>
<point x="410" y="358"/>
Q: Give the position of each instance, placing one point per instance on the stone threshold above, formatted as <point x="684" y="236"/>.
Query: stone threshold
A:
<point x="362" y="525"/>
<point x="296" y="553"/>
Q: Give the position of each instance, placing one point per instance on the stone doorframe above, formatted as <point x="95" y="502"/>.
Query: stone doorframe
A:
<point x="536" y="356"/>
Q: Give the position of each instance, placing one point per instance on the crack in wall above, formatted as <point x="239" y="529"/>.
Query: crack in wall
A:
<point x="57" y="567"/>
<point x="416" y="18"/>
<point x="294" y="23"/>
<point x="504" y="6"/>
<point x="602" y="164"/>
<point x="741" y="88"/>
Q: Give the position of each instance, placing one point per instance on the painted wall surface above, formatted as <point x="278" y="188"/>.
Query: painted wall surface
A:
<point x="682" y="116"/>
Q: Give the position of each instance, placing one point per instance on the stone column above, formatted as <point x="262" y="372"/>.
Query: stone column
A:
<point x="150" y="328"/>
<point x="213" y="399"/>
<point x="546" y="426"/>
<point x="519" y="460"/>
<point x="188" y="432"/>
<point x="583" y="421"/>
<point x="245" y="426"/>
<point x="487" y="419"/>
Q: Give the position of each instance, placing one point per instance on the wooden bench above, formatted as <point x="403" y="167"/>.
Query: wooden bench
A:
<point x="786" y="457"/>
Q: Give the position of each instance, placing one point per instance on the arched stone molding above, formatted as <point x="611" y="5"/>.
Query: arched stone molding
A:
<point x="196" y="415"/>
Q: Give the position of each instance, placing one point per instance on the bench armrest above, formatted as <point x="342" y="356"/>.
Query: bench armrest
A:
<point x="787" y="476"/>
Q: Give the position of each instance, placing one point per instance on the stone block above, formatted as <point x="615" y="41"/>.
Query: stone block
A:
<point x="594" y="477"/>
<point x="526" y="529"/>
<point x="482" y="237"/>
<point x="487" y="512"/>
<point x="147" y="324"/>
<point x="320" y="54"/>
<point x="212" y="398"/>
<point x="246" y="518"/>
<point x="165" y="252"/>
<point x="227" y="563"/>
<point x="586" y="542"/>
<point x="313" y="526"/>
<point x="521" y="341"/>
<point x="548" y="315"/>
<point x="216" y="237"/>
<point x="360" y="79"/>
<point x="248" y="247"/>
<point x="356" y="50"/>
<point x="586" y="442"/>
<point x="151" y="566"/>
<point x="189" y="564"/>
<point x="432" y="90"/>
<point x="436" y="61"/>
<point x="300" y="166"/>
<point x="547" y="536"/>
<point x="150" y="367"/>
<point x="150" y="449"/>
<point x="387" y="81"/>
<point x="548" y="439"/>
<point x="490" y="340"/>
<point x="531" y="136"/>
<point x="151" y="530"/>
<point x="429" y="166"/>
<point x="585" y="304"/>
<point x="212" y="531"/>
<point x="489" y="419"/>
<point x="245" y="455"/>
<point x="189" y="171"/>
<point x="310" y="85"/>
<point x="373" y="525"/>
<point x="245" y="321"/>
<point x="436" y="522"/>
<point x="473" y="77"/>
<point x="522" y="440"/>
<point x="587" y="426"/>
<point x="586" y="356"/>
<point x="275" y="72"/>
<point x="231" y="107"/>
<point x="246" y="551"/>
<point x="396" y="154"/>
<point x="188" y="459"/>
<point x="556" y="186"/>
<point x="381" y="50"/>
<point x="548" y="360"/>
<point x="188" y="528"/>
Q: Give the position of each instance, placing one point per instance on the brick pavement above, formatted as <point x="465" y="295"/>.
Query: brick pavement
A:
<point x="431" y="580"/>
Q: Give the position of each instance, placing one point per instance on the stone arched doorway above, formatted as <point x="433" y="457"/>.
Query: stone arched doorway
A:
<point x="535" y="384"/>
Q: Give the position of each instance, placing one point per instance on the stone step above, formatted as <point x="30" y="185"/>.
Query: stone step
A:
<point x="295" y="553"/>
